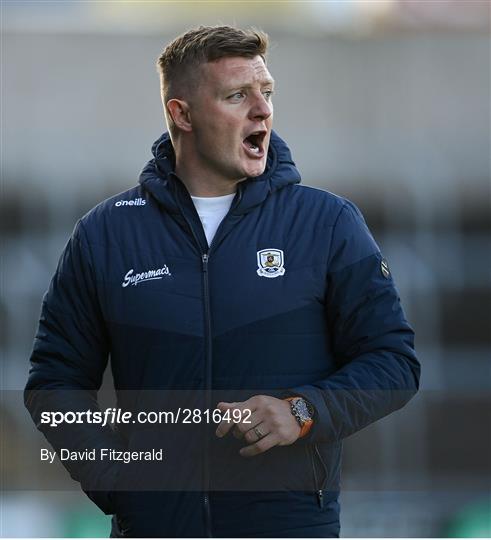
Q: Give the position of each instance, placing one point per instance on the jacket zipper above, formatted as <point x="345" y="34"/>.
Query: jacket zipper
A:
<point x="209" y="355"/>
<point x="205" y="257"/>
<point x="206" y="472"/>
<point x="206" y="478"/>
<point x="317" y="487"/>
<point x="209" y="352"/>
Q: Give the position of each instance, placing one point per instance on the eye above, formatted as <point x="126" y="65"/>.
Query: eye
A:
<point x="267" y="94"/>
<point x="237" y="95"/>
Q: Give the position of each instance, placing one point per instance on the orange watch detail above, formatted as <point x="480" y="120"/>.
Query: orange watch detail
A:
<point x="306" y="424"/>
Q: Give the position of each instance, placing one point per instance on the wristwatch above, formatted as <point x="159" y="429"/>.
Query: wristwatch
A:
<point x="303" y="411"/>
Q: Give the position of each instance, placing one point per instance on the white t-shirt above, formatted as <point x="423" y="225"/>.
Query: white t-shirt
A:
<point x="211" y="211"/>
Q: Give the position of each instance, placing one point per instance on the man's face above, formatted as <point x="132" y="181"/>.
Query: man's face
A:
<point x="232" y="116"/>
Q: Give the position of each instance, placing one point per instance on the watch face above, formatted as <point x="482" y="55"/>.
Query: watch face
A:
<point x="300" y="408"/>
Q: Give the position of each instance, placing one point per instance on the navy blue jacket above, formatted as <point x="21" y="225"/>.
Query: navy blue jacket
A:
<point x="293" y="297"/>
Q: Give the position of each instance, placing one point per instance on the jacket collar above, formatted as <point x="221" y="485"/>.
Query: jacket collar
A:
<point x="158" y="177"/>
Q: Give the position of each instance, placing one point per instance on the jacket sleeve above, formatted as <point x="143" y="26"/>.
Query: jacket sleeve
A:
<point x="67" y="364"/>
<point x="373" y="344"/>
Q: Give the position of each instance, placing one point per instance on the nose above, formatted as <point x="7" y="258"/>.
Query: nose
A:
<point x="261" y="108"/>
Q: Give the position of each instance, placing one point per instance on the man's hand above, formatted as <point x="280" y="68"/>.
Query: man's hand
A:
<point x="270" y="424"/>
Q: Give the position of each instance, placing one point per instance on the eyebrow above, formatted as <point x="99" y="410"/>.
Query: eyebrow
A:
<point x="264" y="82"/>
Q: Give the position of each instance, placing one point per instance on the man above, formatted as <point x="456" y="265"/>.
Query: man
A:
<point x="221" y="282"/>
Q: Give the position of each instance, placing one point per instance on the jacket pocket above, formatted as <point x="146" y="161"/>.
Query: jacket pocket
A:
<point x="319" y="473"/>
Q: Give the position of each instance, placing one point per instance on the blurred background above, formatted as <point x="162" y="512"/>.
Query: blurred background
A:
<point x="384" y="102"/>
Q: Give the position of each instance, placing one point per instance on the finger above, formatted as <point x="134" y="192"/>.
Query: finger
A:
<point x="256" y="433"/>
<point x="247" y="404"/>
<point x="260" y="446"/>
<point x="226" y="424"/>
<point x="224" y="405"/>
<point x="237" y="414"/>
<point x="248" y="422"/>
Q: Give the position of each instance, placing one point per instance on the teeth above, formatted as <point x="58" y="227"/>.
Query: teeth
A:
<point x="253" y="147"/>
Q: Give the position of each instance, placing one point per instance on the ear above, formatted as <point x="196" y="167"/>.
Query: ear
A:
<point x="180" y="114"/>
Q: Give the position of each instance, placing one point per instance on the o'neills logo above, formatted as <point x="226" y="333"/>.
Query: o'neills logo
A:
<point x="135" y="202"/>
<point x="134" y="279"/>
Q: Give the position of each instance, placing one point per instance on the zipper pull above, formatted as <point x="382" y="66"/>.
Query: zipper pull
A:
<point x="320" y="498"/>
<point x="204" y="258"/>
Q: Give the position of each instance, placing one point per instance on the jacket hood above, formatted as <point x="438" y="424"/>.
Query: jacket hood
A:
<point x="158" y="176"/>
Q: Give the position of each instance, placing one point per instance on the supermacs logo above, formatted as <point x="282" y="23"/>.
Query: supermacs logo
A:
<point x="135" y="202"/>
<point x="134" y="279"/>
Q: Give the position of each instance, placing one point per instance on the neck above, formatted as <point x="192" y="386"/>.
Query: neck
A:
<point x="199" y="180"/>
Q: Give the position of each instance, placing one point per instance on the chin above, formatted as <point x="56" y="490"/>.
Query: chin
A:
<point x="252" y="172"/>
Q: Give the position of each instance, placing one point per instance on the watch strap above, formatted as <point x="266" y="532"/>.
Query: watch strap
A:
<point x="306" y="425"/>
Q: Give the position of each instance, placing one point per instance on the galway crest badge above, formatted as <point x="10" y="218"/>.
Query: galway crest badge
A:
<point x="270" y="263"/>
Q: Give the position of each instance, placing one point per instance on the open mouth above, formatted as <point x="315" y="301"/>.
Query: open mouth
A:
<point x="254" y="144"/>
